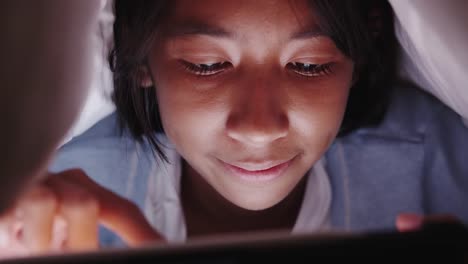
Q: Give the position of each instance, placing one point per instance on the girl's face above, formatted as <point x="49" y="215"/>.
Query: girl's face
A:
<point x="251" y="93"/>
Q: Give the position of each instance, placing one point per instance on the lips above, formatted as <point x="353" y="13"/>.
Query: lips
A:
<point x="258" y="172"/>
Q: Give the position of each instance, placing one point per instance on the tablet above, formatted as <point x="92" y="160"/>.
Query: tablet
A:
<point x="447" y="243"/>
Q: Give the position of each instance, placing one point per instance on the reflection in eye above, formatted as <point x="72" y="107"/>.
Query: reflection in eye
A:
<point x="310" y="70"/>
<point x="206" y="69"/>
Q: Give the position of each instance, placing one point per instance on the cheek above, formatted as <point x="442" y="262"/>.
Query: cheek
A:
<point x="191" y="120"/>
<point x="317" y="113"/>
<point x="317" y="124"/>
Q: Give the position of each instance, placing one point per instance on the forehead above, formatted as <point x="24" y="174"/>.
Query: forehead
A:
<point x="241" y="17"/>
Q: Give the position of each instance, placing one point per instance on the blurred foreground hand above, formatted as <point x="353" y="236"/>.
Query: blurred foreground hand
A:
<point x="62" y="213"/>
<point x="407" y="222"/>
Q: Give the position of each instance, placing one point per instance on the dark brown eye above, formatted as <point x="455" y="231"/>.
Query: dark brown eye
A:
<point x="206" y="69"/>
<point x="310" y="70"/>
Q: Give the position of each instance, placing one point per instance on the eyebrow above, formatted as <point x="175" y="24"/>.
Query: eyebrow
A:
<point x="198" y="28"/>
<point x="188" y="28"/>
<point x="308" y="33"/>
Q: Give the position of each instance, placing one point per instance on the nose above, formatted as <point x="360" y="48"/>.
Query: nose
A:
<point x="258" y="117"/>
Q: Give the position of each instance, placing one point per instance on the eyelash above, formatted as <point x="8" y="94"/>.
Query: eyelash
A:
<point x="310" y="70"/>
<point x="303" y="69"/>
<point x="206" y="70"/>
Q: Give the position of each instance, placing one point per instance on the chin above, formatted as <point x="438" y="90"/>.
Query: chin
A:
<point x="257" y="202"/>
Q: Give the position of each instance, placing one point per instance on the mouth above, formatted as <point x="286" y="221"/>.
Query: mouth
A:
<point x="258" y="172"/>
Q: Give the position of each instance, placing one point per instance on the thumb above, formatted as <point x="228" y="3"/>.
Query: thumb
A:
<point x="116" y="213"/>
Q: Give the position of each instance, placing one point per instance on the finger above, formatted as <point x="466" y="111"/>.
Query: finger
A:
<point x="15" y="235"/>
<point x="9" y="246"/>
<point x="126" y="220"/>
<point x="59" y="234"/>
<point x="38" y="207"/>
<point x="118" y="214"/>
<point x="440" y="218"/>
<point x="6" y="233"/>
<point x="80" y="209"/>
<point x="407" y="222"/>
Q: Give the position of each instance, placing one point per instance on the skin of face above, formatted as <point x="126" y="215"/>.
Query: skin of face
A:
<point x="250" y="85"/>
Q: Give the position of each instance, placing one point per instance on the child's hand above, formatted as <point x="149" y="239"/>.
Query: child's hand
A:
<point x="62" y="214"/>
<point x="406" y="222"/>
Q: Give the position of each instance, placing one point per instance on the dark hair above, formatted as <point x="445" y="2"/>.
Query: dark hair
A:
<point x="362" y="30"/>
